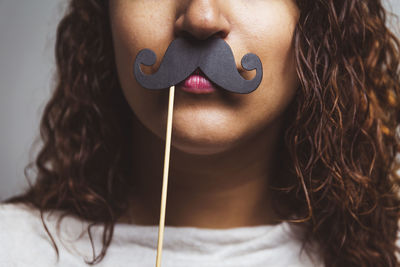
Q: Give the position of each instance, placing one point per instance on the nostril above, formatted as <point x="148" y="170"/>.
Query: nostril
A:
<point x="201" y="20"/>
<point x="221" y="34"/>
<point x="188" y="36"/>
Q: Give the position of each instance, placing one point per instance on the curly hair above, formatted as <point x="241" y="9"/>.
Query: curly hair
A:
<point x="340" y="143"/>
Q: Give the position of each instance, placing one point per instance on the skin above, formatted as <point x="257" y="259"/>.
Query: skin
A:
<point x="223" y="144"/>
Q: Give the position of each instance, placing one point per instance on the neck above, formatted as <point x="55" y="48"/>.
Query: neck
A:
<point x="225" y="190"/>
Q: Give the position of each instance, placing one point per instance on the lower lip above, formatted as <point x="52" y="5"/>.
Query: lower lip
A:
<point x="197" y="84"/>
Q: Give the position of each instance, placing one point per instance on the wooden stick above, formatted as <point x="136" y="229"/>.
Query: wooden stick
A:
<point x="165" y="175"/>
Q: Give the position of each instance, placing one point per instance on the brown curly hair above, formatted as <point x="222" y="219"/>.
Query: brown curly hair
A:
<point x="339" y="142"/>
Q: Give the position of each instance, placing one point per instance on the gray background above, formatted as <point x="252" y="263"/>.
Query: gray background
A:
<point x="27" y="36"/>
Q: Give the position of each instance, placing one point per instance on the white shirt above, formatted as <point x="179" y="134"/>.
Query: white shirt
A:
<point x="24" y="242"/>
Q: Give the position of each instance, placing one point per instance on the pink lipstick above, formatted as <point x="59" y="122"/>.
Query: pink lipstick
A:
<point x="197" y="83"/>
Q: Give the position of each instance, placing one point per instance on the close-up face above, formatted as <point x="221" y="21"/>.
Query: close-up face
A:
<point x="217" y="121"/>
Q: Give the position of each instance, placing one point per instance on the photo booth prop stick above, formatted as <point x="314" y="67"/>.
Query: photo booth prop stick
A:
<point x="215" y="59"/>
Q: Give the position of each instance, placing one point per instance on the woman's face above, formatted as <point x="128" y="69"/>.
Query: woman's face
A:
<point x="216" y="122"/>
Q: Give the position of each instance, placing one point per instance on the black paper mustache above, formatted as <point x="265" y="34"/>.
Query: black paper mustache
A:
<point x="213" y="56"/>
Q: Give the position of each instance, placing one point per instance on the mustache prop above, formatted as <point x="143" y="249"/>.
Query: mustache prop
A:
<point x="215" y="59"/>
<point x="213" y="56"/>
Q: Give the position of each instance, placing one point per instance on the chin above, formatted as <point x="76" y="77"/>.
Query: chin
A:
<point x="207" y="141"/>
<point x="199" y="148"/>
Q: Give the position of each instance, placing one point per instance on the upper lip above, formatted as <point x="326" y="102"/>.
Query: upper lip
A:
<point x="199" y="72"/>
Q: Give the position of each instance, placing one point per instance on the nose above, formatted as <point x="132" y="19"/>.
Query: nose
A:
<point x="202" y="19"/>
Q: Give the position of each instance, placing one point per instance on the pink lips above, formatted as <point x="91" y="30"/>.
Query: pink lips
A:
<point x="197" y="83"/>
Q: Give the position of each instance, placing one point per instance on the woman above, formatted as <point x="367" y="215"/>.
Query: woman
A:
<point x="310" y="151"/>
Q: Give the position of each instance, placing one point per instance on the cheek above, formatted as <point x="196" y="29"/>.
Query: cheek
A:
<point x="277" y="90"/>
<point x="280" y="77"/>
<point x="274" y="45"/>
<point x="132" y="30"/>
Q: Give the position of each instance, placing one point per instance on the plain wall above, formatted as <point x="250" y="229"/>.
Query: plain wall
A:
<point x="27" y="37"/>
